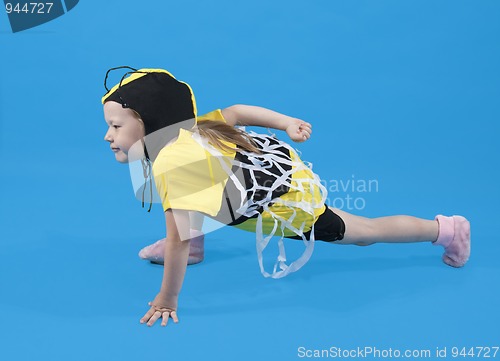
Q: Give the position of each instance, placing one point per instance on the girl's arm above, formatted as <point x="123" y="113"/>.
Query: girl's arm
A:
<point x="174" y="269"/>
<point x="240" y="114"/>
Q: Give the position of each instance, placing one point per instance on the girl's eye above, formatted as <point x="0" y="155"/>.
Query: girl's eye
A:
<point x="116" y="126"/>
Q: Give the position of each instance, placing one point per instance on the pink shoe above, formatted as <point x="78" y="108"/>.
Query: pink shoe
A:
<point x="154" y="252"/>
<point x="454" y="236"/>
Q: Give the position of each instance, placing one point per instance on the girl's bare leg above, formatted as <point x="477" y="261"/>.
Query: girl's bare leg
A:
<point x="362" y="231"/>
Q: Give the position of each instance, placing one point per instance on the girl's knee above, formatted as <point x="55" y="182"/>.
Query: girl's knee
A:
<point x="360" y="231"/>
<point x="366" y="232"/>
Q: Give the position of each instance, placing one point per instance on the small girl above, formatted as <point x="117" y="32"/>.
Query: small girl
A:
<point x="208" y="166"/>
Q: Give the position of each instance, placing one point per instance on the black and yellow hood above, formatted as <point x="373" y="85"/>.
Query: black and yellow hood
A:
<point x="161" y="101"/>
<point x="155" y="94"/>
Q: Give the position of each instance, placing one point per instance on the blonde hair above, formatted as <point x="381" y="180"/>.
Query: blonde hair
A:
<point x="216" y="132"/>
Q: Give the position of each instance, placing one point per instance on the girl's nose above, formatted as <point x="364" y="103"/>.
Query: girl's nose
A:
<point x="107" y="137"/>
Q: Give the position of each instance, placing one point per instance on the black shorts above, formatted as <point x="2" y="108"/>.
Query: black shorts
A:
<point x="328" y="227"/>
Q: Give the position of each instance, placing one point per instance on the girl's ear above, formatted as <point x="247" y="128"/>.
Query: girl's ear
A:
<point x="141" y="123"/>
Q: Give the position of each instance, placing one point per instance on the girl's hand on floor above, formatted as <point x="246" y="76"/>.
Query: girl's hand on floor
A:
<point x="299" y="132"/>
<point x="162" y="308"/>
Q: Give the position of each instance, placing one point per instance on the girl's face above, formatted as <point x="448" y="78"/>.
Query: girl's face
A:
<point x="124" y="133"/>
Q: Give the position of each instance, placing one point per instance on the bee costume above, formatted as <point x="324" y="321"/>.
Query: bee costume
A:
<point x="271" y="194"/>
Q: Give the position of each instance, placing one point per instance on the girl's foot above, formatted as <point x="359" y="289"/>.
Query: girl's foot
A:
<point x="454" y="236"/>
<point x="154" y="252"/>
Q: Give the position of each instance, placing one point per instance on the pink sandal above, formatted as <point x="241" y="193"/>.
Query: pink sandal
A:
<point x="454" y="236"/>
<point x="154" y="252"/>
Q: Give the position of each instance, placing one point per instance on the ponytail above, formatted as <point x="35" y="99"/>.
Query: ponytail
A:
<point x="216" y="132"/>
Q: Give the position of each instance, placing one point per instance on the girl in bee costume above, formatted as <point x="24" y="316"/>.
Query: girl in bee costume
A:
<point x="251" y="181"/>
<point x="271" y="192"/>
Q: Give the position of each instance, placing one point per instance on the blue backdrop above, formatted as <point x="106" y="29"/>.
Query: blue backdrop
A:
<point x="400" y="93"/>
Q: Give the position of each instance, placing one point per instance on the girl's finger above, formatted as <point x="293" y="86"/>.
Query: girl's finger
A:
<point x="173" y="314"/>
<point x="165" y="317"/>
<point x="305" y="129"/>
<point x="148" y="315"/>
<point x="153" y="319"/>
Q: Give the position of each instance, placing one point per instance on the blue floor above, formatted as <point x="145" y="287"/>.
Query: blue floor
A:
<point x="402" y="96"/>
